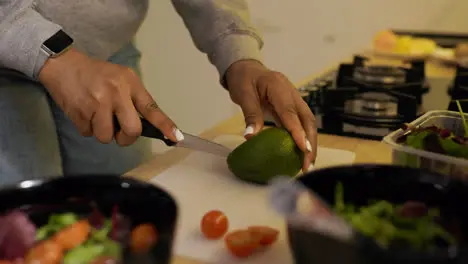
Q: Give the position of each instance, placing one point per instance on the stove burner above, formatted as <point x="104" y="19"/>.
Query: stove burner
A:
<point x="380" y="74"/>
<point x="372" y="104"/>
<point x="366" y="100"/>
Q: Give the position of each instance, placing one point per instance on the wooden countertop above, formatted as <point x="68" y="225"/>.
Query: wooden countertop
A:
<point x="367" y="151"/>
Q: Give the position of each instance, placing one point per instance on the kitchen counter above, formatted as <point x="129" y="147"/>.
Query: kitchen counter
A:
<point x="367" y="151"/>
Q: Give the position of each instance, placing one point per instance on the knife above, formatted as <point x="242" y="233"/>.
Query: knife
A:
<point x="190" y="141"/>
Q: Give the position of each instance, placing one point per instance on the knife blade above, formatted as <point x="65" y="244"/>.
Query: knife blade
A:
<point x="189" y="142"/>
<point x="200" y="144"/>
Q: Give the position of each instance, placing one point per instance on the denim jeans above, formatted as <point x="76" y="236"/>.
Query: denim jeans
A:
<point x="38" y="141"/>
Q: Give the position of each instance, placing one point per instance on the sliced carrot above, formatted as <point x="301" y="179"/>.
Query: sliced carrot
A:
<point x="73" y="235"/>
<point x="47" y="252"/>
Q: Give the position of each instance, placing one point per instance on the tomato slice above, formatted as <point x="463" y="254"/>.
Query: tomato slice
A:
<point x="143" y="238"/>
<point x="241" y="243"/>
<point x="264" y="235"/>
<point x="214" y="224"/>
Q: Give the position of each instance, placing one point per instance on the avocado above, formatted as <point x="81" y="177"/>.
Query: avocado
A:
<point x="269" y="153"/>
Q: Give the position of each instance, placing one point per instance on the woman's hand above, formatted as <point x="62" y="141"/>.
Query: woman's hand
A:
<point x="257" y="89"/>
<point x="91" y="92"/>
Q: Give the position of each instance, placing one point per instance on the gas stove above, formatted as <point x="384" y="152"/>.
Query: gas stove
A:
<point x="367" y="100"/>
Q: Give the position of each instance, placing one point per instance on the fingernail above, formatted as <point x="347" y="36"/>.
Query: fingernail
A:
<point x="311" y="167"/>
<point x="178" y="134"/>
<point x="249" y="130"/>
<point x="308" y="145"/>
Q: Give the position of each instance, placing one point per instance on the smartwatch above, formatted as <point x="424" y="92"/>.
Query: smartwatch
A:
<point x="57" y="44"/>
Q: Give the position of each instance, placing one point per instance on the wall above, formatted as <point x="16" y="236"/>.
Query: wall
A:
<point x="374" y="15"/>
<point x="301" y="38"/>
<point x="180" y="78"/>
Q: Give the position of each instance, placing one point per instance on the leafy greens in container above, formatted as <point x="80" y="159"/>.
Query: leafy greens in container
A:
<point x="437" y="140"/>
<point x="410" y="224"/>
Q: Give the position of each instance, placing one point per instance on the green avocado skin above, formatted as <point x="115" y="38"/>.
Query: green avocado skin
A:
<point x="270" y="153"/>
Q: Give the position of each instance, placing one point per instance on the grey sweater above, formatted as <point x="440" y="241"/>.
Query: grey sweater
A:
<point x="219" y="28"/>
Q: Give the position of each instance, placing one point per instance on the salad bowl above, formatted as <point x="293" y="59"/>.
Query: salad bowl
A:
<point x="390" y="185"/>
<point x="120" y="216"/>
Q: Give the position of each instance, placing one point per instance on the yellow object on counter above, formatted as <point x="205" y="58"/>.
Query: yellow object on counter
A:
<point x="385" y="40"/>
<point x="404" y="44"/>
<point x="414" y="46"/>
<point x="423" y="46"/>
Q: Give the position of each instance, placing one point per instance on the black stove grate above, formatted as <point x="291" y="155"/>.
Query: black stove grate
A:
<point x="330" y="95"/>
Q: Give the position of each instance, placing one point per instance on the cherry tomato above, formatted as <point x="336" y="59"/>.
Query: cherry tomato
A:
<point x="143" y="238"/>
<point x="73" y="235"/>
<point x="264" y="234"/>
<point x="46" y="252"/>
<point x="214" y="224"/>
<point x="241" y="243"/>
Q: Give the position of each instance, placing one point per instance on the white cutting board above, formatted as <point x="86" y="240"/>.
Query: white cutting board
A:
<point x="203" y="182"/>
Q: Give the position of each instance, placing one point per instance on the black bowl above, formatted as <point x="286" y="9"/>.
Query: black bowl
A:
<point x="364" y="183"/>
<point x="141" y="202"/>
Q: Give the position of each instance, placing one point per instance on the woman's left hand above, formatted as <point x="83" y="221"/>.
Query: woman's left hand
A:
<point x="259" y="90"/>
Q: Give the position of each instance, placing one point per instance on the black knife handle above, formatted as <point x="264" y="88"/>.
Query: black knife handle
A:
<point x="147" y="130"/>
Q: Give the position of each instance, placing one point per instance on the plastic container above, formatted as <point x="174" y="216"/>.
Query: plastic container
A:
<point x="415" y="158"/>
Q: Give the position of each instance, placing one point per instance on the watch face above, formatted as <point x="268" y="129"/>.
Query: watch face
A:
<point x="58" y="42"/>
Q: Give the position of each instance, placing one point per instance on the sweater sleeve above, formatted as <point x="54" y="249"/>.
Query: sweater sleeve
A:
<point x="22" y="32"/>
<point x="221" y="29"/>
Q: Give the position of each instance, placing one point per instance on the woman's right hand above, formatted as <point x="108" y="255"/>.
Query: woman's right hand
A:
<point x="91" y="92"/>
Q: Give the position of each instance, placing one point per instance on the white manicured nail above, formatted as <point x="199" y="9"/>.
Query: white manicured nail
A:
<point x="308" y="145"/>
<point x="178" y="134"/>
<point x="311" y="167"/>
<point x="249" y="130"/>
